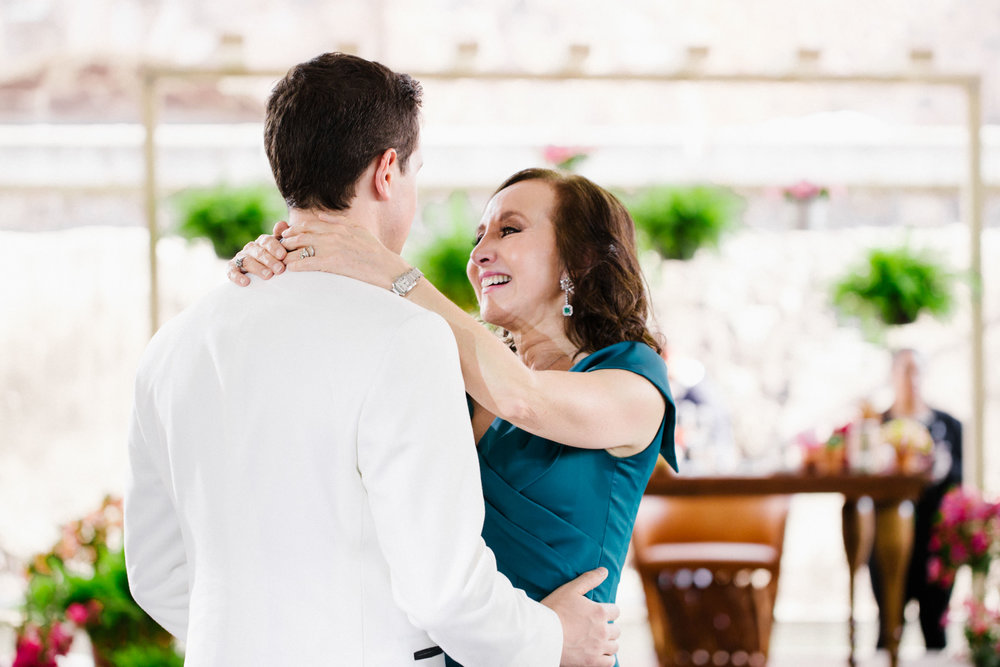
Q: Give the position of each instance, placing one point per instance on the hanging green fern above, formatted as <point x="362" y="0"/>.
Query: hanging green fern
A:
<point x="229" y="217"/>
<point x="676" y="221"/>
<point x="893" y="287"/>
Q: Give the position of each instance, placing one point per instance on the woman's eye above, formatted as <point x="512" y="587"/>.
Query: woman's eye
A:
<point x="509" y="230"/>
<point x="479" y="237"/>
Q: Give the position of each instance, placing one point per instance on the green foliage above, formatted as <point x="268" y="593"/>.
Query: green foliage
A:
<point x="676" y="221"/>
<point x="892" y="287"/>
<point x="229" y="217"/>
<point x="146" y="655"/>
<point x="445" y="258"/>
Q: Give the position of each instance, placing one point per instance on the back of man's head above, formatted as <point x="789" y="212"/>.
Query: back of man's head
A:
<point x="329" y="118"/>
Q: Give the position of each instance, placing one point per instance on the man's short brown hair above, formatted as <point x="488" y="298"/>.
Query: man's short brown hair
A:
<point x="329" y="118"/>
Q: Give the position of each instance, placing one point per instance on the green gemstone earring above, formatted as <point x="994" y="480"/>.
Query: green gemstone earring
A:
<point x="566" y="285"/>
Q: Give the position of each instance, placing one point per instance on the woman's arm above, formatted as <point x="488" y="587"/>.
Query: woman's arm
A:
<point x="605" y="409"/>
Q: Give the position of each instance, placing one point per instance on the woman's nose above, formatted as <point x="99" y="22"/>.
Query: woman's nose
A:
<point x="483" y="252"/>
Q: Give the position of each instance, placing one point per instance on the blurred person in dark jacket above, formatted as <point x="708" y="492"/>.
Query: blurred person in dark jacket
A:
<point x="946" y="431"/>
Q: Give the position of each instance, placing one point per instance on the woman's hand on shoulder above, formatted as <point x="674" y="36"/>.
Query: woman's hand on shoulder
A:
<point x="263" y="257"/>
<point x="333" y="245"/>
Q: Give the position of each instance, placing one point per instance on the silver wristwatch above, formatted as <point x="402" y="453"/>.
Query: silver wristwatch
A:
<point x="404" y="283"/>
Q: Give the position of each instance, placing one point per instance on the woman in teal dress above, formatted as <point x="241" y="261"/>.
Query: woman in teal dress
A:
<point x="569" y="428"/>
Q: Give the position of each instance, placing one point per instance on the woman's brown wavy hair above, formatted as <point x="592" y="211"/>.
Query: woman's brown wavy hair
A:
<point x="595" y="238"/>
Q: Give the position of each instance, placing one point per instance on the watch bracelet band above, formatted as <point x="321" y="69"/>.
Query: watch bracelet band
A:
<point x="406" y="282"/>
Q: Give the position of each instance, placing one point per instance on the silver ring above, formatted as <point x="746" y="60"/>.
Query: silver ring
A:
<point x="308" y="251"/>
<point x="239" y="264"/>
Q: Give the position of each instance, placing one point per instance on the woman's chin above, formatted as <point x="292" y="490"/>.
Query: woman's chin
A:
<point x="494" y="316"/>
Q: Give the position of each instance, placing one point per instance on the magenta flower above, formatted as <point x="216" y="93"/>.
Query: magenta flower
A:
<point x="60" y="639"/>
<point x="77" y="613"/>
<point x="980" y="544"/>
<point x="934" y="568"/>
<point x="29" y="651"/>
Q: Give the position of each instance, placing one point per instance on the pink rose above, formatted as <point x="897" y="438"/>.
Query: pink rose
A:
<point x="59" y="639"/>
<point x="934" y="568"/>
<point x="29" y="651"/>
<point x="979" y="544"/>
<point x="958" y="553"/>
<point x="935" y="543"/>
<point x="77" y="613"/>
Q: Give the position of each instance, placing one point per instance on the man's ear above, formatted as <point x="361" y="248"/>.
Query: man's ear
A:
<point x="384" y="173"/>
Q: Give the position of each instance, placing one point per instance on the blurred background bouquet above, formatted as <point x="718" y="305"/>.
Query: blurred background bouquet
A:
<point x="912" y="444"/>
<point x="967" y="532"/>
<point x="80" y="585"/>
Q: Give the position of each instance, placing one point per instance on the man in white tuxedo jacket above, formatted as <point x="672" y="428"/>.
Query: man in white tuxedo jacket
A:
<point x="327" y="511"/>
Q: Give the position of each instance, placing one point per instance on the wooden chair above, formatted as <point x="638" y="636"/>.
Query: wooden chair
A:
<point x="709" y="568"/>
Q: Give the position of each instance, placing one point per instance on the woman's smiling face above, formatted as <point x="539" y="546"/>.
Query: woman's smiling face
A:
<point x="515" y="266"/>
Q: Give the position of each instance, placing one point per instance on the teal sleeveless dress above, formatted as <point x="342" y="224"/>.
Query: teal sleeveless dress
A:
<point x="554" y="512"/>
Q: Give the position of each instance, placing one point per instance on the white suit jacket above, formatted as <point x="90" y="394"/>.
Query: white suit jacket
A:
<point x="304" y="488"/>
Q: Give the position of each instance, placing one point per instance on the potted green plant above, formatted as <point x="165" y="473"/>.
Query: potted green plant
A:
<point x="81" y="583"/>
<point x="893" y="287"/>
<point x="228" y="217"/>
<point x="445" y="257"/>
<point x="676" y="221"/>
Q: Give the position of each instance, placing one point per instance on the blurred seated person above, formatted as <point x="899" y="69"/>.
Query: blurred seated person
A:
<point x="704" y="428"/>
<point x="946" y="431"/>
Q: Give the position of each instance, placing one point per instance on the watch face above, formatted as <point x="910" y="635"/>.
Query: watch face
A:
<point x="404" y="283"/>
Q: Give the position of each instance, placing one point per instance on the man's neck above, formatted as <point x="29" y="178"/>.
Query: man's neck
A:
<point x="352" y="216"/>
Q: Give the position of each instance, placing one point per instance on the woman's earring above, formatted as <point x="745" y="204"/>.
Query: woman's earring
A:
<point x="566" y="285"/>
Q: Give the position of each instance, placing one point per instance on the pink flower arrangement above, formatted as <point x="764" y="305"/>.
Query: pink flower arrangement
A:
<point x="38" y="646"/>
<point x="565" y="157"/>
<point x="982" y="632"/>
<point x="804" y="191"/>
<point x="967" y="532"/>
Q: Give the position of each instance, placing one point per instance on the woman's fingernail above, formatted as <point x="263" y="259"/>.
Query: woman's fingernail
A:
<point x="278" y="266"/>
<point x="267" y="273"/>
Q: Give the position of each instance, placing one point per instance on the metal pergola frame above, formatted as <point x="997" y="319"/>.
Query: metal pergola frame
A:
<point x="972" y="209"/>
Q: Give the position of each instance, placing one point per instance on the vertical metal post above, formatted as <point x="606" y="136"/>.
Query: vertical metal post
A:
<point x="975" y="469"/>
<point x="149" y="190"/>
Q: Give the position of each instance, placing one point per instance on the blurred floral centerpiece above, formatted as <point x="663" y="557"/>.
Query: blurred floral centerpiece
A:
<point x="912" y="443"/>
<point x="967" y="532"/>
<point x="804" y="192"/>
<point x="824" y="456"/>
<point x="566" y="158"/>
<point x="982" y="632"/>
<point x="81" y="584"/>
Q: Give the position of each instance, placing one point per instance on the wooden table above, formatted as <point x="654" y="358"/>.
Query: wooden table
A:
<point x="877" y="518"/>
